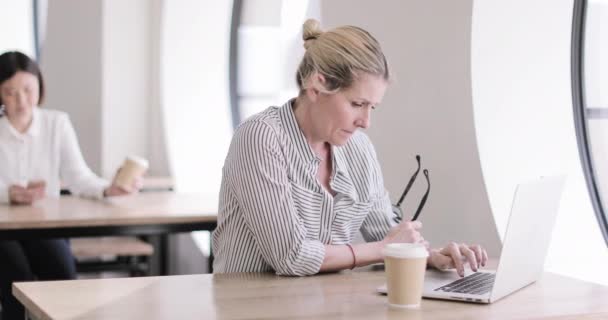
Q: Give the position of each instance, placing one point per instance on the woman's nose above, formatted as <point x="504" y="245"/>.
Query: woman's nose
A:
<point x="364" y="119"/>
<point x="22" y="98"/>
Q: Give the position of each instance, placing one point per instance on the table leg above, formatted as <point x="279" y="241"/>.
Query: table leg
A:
<point x="29" y="315"/>
<point x="164" y="254"/>
<point x="210" y="260"/>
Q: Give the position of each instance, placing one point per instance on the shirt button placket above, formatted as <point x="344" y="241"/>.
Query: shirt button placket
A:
<point x="329" y="213"/>
<point x="22" y="163"/>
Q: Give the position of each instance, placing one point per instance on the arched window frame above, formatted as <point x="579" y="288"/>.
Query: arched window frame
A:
<point x="580" y="112"/>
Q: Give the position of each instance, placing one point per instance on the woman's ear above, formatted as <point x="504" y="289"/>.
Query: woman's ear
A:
<point x="320" y="79"/>
<point x="315" y="84"/>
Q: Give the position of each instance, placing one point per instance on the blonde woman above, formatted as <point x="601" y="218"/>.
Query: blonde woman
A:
<point x="301" y="180"/>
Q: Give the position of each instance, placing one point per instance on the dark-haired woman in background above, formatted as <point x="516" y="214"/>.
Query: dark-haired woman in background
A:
<point x="39" y="152"/>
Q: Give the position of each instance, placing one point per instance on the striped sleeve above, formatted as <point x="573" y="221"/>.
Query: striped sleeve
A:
<point x="379" y="220"/>
<point x="262" y="188"/>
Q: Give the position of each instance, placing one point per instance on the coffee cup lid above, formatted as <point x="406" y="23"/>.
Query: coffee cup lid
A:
<point x="405" y="250"/>
<point x="139" y="160"/>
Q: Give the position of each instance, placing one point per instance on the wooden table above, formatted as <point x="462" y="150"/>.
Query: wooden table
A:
<point x="346" y="295"/>
<point x="149" y="213"/>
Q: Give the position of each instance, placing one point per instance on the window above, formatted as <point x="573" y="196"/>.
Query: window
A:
<point x="194" y="95"/>
<point x="17" y="16"/>
<point x="590" y="94"/>
<point x="269" y="48"/>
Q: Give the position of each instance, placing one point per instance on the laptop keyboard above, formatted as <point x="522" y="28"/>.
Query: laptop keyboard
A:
<point x="476" y="283"/>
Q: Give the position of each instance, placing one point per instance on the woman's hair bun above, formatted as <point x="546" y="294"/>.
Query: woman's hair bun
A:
<point x="311" y="30"/>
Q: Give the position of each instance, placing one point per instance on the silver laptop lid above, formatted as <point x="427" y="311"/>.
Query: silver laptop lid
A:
<point x="529" y="230"/>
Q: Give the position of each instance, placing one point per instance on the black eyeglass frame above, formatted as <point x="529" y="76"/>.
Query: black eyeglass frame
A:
<point x="396" y="208"/>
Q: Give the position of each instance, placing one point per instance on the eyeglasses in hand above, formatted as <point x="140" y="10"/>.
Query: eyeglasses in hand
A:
<point x="397" y="207"/>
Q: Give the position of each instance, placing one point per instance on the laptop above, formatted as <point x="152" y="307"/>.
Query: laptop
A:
<point x="533" y="212"/>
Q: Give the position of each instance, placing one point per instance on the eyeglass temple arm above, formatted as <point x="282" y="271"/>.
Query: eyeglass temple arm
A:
<point x="410" y="183"/>
<point x="426" y="195"/>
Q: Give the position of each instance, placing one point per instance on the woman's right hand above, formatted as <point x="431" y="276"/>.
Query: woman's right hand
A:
<point x="406" y="231"/>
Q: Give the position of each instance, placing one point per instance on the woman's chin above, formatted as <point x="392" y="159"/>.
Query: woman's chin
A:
<point x="20" y="113"/>
<point x="339" y="142"/>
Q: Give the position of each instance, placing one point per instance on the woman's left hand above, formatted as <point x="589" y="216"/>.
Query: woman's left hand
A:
<point x="456" y="255"/>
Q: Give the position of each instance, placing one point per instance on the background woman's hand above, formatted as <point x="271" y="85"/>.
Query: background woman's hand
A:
<point x="38" y="188"/>
<point x="116" y="190"/>
<point x="456" y="255"/>
<point x="406" y="231"/>
<point x="35" y="190"/>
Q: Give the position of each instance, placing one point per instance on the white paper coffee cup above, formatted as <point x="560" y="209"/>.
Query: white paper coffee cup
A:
<point x="405" y="265"/>
<point x="132" y="168"/>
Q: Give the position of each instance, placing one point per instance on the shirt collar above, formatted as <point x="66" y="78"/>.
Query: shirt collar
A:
<point x="301" y="146"/>
<point x="341" y="181"/>
<point x="34" y="130"/>
<point x="339" y="159"/>
<point x="4" y="127"/>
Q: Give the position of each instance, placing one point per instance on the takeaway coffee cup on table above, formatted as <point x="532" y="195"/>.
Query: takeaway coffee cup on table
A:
<point x="132" y="168"/>
<point x="405" y="265"/>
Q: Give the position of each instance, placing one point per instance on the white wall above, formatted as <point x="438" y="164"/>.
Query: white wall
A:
<point x="126" y="62"/>
<point x="101" y="61"/>
<point x="524" y="120"/>
<point x="156" y="138"/>
<point x="72" y="66"/>
<point x="427" y="110"/>
<point x="261" y="13"/>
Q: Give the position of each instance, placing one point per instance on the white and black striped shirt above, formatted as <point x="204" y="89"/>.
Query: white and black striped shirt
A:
<point x="274" y="215"/>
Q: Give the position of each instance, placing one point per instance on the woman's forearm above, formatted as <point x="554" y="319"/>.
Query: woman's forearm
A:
<point x="340" y="257"/>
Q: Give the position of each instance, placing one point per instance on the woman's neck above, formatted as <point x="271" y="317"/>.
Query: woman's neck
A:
<point x="304" y="119"/>
<point x="21" y="124"/>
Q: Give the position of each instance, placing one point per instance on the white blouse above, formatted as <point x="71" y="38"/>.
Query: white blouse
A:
<point x="48" y="151"/>
<point x="274" y="215"/>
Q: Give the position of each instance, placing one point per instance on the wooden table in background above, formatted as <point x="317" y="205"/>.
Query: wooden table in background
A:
<point x="147" y="213"/>
<point x="346" y="295"/>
